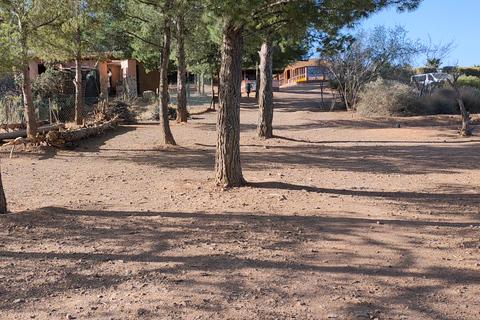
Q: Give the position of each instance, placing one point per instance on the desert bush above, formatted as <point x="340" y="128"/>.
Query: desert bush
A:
<point x="471" y="71"/>
<point x="469" y="81"/>
<point x="442" y="101"/>
<point x="471" y="99"/>
<point x="390" y="98"/>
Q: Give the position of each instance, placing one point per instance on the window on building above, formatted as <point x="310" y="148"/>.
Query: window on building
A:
<point x="315" y="73"/>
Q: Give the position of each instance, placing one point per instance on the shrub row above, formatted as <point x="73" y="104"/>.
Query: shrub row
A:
<point x="392" y="98"/>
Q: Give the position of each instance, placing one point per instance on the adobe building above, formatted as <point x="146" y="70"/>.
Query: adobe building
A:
<point x="309" y="71"/>
<point x="114" y="77"/>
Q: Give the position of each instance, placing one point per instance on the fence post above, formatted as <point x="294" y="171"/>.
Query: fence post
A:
<point x="50" y="109"/>
<point x="7" y="106"/>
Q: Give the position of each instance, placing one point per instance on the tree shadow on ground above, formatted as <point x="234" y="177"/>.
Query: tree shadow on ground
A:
<point x="378" y="158"/>
<point x="232" y="254"/>
<point x="434" y="201"/>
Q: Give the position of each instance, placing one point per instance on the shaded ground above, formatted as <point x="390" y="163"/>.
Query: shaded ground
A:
<point x="343" y="218"/>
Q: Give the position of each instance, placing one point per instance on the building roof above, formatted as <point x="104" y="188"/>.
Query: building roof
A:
<point x="304" y="63"/>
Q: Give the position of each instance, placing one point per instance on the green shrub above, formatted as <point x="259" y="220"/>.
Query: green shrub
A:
<point x="472" y="71"/>
<point x="390" y="98"/>
<point x="49" y="83"/>
<point x="449" y="69"/>
<point x="423" y="70"/>
<point x="469" y="81"/>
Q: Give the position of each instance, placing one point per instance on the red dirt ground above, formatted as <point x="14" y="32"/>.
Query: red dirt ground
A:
<point x="343" y="218"/>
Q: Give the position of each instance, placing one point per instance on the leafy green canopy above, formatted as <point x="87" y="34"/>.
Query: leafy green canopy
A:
<point x="81" y="30"/>
<point x="20" y="22"/>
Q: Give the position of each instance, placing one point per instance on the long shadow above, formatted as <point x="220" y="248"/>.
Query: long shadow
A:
<point x="377" y="158"/>
<point x="367" y="123"/>
<point x="183" y="245"/>
<point x="385" y="142"/>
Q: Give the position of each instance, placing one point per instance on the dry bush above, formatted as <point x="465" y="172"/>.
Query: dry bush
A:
<point x="471" y="99"/>
<point x="442" y="101"/>
<point x="390" y="98"/>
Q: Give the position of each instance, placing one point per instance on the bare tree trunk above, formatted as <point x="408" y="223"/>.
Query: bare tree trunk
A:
<point x="265" y="92"/>
<point x="28" y="103"/>
<point x="257" y="77"/>
<point x="164" y="96"/>
<point x="465" y="131"/>
<point x="3" y="200"/>
<point x="228" y="169"/>
<point x="181" y="73"/>
<point x="78" y="90"/>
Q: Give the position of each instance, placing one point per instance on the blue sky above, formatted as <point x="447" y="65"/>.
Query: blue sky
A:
<point x="443" y="20"/>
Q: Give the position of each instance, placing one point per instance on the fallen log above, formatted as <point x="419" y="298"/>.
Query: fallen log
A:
<point x="23" y="133"/>
<point x="61" y="139"/>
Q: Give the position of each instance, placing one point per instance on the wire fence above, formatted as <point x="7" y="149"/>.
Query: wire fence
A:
<point x="61" y="108"/>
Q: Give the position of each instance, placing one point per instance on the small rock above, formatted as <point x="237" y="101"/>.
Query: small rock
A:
<point x="332" y="316"/>
<point x="70" y="317"/>
<point x="18" y="301"/>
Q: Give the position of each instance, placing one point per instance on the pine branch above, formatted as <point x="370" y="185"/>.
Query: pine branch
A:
<point x="143" y="39"/>
<point x="271" y="5"/>
<point x="45" y="23"/>
<point x="281" y="23"/>
<point x="137" y="18"/>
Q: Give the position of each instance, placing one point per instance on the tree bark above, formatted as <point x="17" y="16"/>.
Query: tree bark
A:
<point x="257" y="77"/>
<point x="265" y="92"/>
<point x="181" y="73"/>
<point x="465" y="131"/>
<point x="3" y="200"/>
<point x="61" y="138"/>
<point x="228" y="169"/>
<point x="78" y="90"/>
<point x="28" y="103"/>
<point x="164" y="96"/>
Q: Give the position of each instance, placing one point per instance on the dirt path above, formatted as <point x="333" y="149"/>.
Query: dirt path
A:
<point x="343" y="218"/>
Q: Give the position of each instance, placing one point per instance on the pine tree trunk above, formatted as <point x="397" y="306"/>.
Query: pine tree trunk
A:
<point x="3" y="200"/>
<point x="257" y="77"/>
<point x="78" y="91"/>
<point x="28" y="103"/>
<point x="265" y="92"/>
<point x="181" y="73"/>
<point x="164" y="96"/>
<point x="228" y="169"/>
